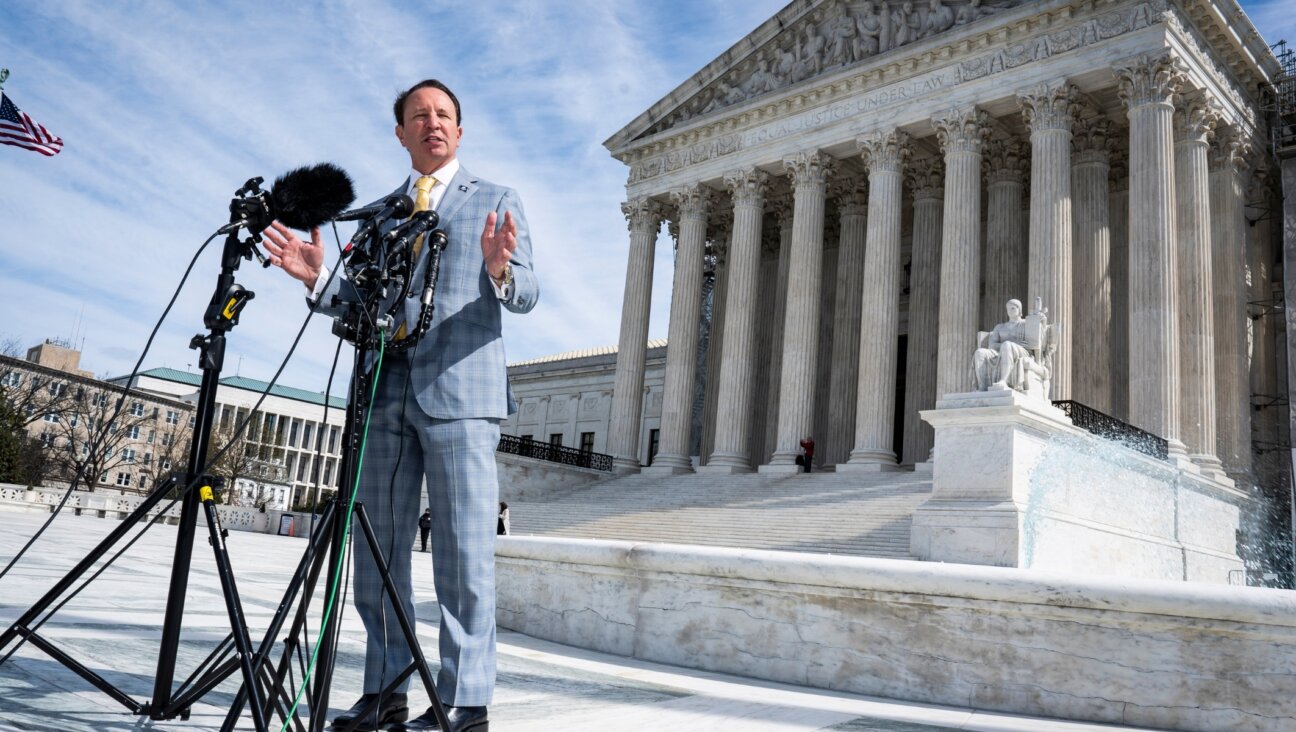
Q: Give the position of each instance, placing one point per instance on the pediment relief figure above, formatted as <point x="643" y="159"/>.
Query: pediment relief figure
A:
<point x="835" y="34"/>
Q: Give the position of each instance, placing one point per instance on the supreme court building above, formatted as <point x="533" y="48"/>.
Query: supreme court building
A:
<point x="869" y="182"/>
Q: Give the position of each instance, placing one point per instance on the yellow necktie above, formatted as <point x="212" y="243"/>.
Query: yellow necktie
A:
<point x="422" y="201"/>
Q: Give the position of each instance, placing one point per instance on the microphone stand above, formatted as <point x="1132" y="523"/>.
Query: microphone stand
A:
<point x="222" y="315"/>
<point x="366" y="324"/>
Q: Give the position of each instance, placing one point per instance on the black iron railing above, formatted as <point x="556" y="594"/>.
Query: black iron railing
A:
<point x="554" y="453"/>
<point x="1108" y="427"/>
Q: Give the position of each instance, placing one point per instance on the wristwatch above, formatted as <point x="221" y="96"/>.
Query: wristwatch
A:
<point x="506" y="279"/>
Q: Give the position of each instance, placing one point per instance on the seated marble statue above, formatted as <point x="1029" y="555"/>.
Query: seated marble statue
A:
<point x="1017" y="354"/>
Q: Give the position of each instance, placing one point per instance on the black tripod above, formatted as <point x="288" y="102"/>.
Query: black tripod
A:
<point x="222" y="315"/>
<point x="374" y="277"/>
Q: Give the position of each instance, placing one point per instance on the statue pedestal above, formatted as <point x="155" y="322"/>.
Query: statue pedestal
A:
<point x="1015" y="484"/>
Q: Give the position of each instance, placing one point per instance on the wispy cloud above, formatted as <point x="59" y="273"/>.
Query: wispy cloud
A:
<point x="166" y="108"/>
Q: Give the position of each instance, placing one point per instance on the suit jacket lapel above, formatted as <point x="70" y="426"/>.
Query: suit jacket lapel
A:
<point x="461" y="187"/>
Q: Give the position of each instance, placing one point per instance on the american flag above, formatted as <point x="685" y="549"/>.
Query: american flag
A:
<point x="17" y="129"/>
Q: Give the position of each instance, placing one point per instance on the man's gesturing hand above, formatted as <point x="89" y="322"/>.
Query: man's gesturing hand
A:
<point x="301" y="259"/>
<point x="498" y="245"/>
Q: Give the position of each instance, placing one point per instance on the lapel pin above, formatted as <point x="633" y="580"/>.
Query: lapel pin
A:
<point x="463" y="188"/>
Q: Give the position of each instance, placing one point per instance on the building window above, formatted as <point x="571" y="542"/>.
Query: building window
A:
<point x="292" y="433"/>
<point x="587" y="442"/>
<point x="72" y="420"/>
<point x="192" y="422"/>
<point x="123" y="479"/>
<point x="165" y="463"/>
<point x="301" y="469"/>
<point x="155" y="412"/>
<point x="128" y="455"/>
<point x="52" y="417"/>
<point x="152" y="434"/>
<point x="173" y="417"/>
<point x="148" y="458"/>
<point x="527" y="438"/>
<point x="556" y="439"/>
<point x="143" y="481"/>
<point x="333" y="436"/>
<point x="137" y="409"/>
<point x="100" y="400"/>
<point x="166" y="440"/>
<point x="328" y="473"/>
<point x="13" y="378"/>
<point x="654" y="437"/>
<point x="47" y="439"/>
<point x="134" y="432"/>
<point x="56" y="388"/>
<point x="307" y="429"/>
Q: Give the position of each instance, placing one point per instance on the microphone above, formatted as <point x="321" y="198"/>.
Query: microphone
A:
<point x="396" y="206"/>
<point x="408" y="231"/>
<point x="302" y="199"/>
<point x="309" y="196"/>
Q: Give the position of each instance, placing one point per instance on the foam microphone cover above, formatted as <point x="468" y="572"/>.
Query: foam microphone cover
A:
<point x="311" y="195"/>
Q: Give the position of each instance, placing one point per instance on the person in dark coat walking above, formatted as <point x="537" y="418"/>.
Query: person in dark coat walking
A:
<point x="425" y="525"/>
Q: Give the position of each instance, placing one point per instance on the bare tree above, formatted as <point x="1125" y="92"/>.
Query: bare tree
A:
<point x="246" y="458"/>
<point x="98" y="433"/>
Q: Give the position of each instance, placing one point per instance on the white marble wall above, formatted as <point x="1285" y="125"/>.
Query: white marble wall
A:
<point x="1168" y="655"/>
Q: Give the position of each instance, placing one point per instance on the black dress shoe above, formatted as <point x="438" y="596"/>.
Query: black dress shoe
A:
<point x="394" y="709"/>
<point x="462" y="719"/>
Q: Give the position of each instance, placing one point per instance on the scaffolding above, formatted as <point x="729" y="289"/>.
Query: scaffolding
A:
<point x="1284" y="102"/>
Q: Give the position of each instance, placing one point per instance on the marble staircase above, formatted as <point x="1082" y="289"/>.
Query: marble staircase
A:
<point x="823" y="512"/>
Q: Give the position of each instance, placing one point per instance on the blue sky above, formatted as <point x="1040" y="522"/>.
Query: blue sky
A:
<point x="166" y="108"/>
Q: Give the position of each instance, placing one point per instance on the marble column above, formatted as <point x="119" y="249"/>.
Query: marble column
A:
<point x="718" y="255"/>
<point x="765" y="346"/>
<point x="1007" y="161"/>
<point x="1049" y="111"/>
<point x="748" y="188"/>
<point x="693" y="203"/>
<point x="1092" y="284"/>
<point x="1228" y="247"/>
<point x="962" y="134"/>
<point x="852" y="202"/>
<point x="809" y="172"/>
<point x="1118" y="213"/>
<point x="782" y="208"/>
<point x="827" y="325"/>
<point x="926" y="181"/>
<point x="1194" y="120"/>
<point x="644" y="217"/>
<point x="884" y="155"/>
<point x="1147" y="86"/>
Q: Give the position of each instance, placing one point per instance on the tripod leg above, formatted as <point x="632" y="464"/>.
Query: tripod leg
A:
<point x="407" y="627"/>
<point x="86" y="563"/>
<point x="237" y="624"/>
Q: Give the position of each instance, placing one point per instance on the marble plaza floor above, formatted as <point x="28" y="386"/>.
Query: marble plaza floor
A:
<point x="113" y="628"/>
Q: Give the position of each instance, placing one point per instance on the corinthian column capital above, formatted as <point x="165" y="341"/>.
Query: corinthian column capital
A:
<point x="748" y="187"/>
<point x="1093" y="140"/>
<point x="1229" y="150"/>
<point x="693" y="201"/>
<point x="1006" y="159"/>
<point x="643" y="214"/>
<point x="1049" y="106"/>
<point x="810" y="168"/>
<point x="1149" y="80"/>
<point x="851" y="194"/>
<point x="885" y="152"/>
<point x="926" y="178"/>
<point x="1195" y="117"/>
<point x="963" y="129"/>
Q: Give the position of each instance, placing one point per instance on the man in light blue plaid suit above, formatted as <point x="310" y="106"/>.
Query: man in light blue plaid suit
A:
<point x="436" y="415"/>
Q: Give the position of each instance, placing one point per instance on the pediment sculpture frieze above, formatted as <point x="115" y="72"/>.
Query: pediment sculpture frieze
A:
<point x="837" y="33"/>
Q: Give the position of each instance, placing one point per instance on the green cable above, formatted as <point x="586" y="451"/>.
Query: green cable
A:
<point x="346" y="537"/>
